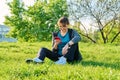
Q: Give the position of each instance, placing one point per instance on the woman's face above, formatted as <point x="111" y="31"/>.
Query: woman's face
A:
<point x="63" y="27"/>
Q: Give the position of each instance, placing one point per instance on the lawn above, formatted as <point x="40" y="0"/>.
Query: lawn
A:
<point x="100" y="62"/>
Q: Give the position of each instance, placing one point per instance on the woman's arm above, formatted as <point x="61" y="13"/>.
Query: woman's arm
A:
<point x="55" y="43"/>
<point x="75" y="38"/>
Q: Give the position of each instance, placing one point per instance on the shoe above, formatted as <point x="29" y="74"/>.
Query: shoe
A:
<point x="62" y="60"/>
<point x="29" y="60"/>
<point x="37" y="60"/>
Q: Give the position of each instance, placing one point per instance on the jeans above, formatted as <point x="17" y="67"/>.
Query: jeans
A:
<point x="44" y="52"/>
<point x="73" y="54"/>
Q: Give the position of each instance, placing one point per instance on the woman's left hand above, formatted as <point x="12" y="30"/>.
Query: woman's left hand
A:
<point x="65" y="49"/>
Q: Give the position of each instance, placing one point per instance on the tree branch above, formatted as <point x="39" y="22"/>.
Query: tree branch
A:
<point x="115" y="37"/>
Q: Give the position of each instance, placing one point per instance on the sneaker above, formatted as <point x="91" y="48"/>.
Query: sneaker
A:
<point x="29" y="60"/>
<point x="62" y="60"/>
<point x="37" y="60"/>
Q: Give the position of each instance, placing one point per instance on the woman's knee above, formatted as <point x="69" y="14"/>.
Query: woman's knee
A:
<point x="43" y="49"/>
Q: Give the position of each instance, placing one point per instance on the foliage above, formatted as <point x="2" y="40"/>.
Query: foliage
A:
<point x="108" y="31"/>
<point x="103" y="15"/>
<point x="36" y="22"/>
<point x="15" y="20"/>
<point x="100" y="62"/>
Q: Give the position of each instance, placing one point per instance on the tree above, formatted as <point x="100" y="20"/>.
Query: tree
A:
<point x="37" y="21"/>
<point x="103" y="13"/>
<point x="15" y="20"/>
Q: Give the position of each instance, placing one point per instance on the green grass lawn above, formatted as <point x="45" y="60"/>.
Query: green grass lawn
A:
<point x="100" y="62"/>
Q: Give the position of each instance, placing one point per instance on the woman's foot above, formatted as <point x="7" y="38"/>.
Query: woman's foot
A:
<point x="62" y="60"/>
<point x="35" y="60"/>
<point x="29" y="60"/>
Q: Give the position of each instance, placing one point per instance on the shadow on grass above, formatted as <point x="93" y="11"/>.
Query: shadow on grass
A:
<point x="102" y="64"/>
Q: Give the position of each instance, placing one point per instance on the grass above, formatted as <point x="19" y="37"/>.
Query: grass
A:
<point x="100" y="62"/>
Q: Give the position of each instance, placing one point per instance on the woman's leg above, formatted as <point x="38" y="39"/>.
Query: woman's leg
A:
<point x="71" y="53"/>
<point x="44" y="52"/>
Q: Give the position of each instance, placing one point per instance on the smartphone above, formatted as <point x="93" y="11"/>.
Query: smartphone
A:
<point x="57" y="38"/>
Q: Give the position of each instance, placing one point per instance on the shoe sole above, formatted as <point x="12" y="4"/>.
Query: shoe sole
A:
<point x="31" y="61"/>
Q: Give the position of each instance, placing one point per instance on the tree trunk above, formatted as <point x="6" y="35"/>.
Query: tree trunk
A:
<point x="103" y="37"/>
<point x="101" y="30"/>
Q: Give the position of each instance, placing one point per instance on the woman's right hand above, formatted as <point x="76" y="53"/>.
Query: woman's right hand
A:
<point x="56" y="42"/>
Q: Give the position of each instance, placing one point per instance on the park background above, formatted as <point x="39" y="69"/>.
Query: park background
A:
<point x="97" y="21"/>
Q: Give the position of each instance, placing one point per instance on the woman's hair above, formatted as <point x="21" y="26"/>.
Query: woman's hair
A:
<point x="63" y="20"/>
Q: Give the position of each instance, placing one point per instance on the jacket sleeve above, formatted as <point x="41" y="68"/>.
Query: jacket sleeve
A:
<point x="75" y="37"/>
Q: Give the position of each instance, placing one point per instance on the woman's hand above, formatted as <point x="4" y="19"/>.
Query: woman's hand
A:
<point x="56" y="42"/>
<point x="65" y="49"/>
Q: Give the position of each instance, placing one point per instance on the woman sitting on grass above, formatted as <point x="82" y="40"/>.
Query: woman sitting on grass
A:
<point x="65" y="46"/>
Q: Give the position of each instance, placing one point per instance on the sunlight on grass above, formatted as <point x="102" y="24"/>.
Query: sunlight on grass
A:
<point x="100" y="62"/>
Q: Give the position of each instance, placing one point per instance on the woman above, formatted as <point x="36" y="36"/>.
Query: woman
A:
<point x="65" y="45"/>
